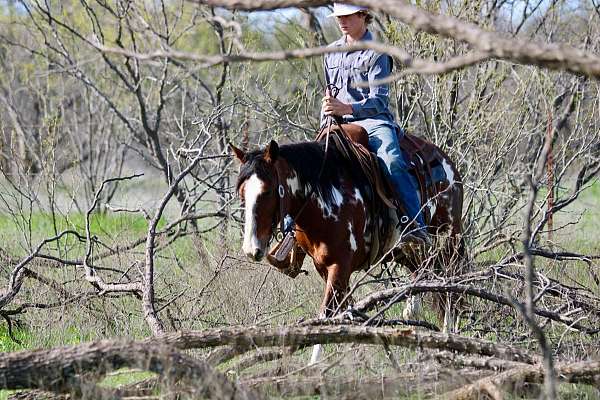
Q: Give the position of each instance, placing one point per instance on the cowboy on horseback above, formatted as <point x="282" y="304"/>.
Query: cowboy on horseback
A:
<point x="369" y="106"/>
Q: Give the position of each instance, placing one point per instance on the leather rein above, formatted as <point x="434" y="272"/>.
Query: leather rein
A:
<point x="287" y="223"/>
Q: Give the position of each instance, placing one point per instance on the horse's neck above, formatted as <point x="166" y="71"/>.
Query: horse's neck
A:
<point x="312" y="201"/>
<point x="297" y="193"/>
<point x="312" y="191"/>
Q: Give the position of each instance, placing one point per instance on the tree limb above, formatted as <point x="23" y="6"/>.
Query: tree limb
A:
<point x="310" y="335"/>
<point x="551" y="56"/>
<point x="58" y="369"/>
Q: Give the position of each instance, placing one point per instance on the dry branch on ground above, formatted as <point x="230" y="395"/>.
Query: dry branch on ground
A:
<point x="305" y="336"/>
<point x="64" y="369"/>
<point x="582" y="372"/>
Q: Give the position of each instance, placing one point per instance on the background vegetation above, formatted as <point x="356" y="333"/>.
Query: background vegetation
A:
<point x="91" y="142"/>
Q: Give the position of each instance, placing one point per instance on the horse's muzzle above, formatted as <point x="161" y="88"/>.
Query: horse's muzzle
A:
<point x="256" y="254"/>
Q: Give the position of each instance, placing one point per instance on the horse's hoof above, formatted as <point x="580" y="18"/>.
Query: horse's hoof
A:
<point x="354" y="315"/>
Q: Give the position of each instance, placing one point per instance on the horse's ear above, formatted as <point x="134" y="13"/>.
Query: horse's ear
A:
<point x="239" y="154"/>
<point x="272" y="152"/>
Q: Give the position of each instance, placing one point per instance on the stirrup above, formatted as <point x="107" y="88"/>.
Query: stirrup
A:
<point x="418" y="236"/>
<point x="414" y="234"/>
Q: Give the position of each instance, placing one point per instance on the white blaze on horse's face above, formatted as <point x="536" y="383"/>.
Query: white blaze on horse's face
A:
<point x="253" y="247"/>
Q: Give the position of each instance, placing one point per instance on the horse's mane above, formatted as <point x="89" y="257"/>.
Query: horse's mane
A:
<point x="306" y="159"/>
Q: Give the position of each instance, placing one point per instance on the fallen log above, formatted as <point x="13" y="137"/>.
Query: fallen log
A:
<point x="396" y="386"/>
<point x="249" y="337"/>
<point x="59" y="370"/>
<point x="587" y="372"/>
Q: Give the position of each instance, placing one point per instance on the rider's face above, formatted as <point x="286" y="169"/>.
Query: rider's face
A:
<point x="353" y="25"/>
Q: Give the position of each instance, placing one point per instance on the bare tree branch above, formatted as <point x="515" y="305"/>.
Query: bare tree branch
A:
<point x="304" y="336"/>
<point x="414" y="65"/>
<point x="58" y="369"/>
<point x="148" y="283"/>
<point x="551" y="56"/>
<point x="18" y="274"/>
<point x="583" y="372"/>
<point x="400" y="293"/>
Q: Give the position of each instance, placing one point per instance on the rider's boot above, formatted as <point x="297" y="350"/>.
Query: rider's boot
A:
<point x="420" y="236"/>
<point x="413" y="231"/>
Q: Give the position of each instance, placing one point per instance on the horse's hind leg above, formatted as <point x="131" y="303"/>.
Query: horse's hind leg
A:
<point x="413" y="307"/>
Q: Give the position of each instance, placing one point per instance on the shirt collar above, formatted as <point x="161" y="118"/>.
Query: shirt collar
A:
<point x="367" y="36"/>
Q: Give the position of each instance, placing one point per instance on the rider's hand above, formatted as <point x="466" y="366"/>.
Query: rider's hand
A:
<point x="332" y="106"/>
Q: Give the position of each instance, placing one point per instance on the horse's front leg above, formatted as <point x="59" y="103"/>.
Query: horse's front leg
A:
<point x="336" y="286"/>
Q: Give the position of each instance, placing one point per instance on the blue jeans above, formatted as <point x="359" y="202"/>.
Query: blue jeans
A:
<point x="384" y="142"/>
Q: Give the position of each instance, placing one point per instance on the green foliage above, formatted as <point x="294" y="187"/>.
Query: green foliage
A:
<point x="571" y="391"/>
<point x="7" y="344"/>
<point x="5" y="393"/>
<point x="44" y="225"/>
<point x="125" y="377"/>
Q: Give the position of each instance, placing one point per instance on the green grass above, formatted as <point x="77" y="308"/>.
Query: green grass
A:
<point x="7" y="344"/>
<point x="5" y="393"/>
<point x="570" y="391"/>
<point x="125" y="377"/>
<point x="45" y="224"/>
<point x="115" y="379"/>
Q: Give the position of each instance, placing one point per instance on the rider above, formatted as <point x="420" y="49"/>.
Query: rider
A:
<point x="368" y="106"/>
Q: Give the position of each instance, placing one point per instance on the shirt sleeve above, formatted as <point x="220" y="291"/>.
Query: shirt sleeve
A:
<point x="378" y="100"/>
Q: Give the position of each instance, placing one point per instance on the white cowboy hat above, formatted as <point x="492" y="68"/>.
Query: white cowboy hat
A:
<point x="339" y="10"/>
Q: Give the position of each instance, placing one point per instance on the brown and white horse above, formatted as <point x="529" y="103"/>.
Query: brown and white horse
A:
<point x="334" y="226"/>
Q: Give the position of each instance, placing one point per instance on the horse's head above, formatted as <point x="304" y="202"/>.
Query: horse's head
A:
<point x="257" y="188"/>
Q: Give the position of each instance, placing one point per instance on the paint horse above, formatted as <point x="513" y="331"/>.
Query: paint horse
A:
<point x="329" y="201"/>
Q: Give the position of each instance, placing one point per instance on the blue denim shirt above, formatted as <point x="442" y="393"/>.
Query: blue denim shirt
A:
<point x="370" y="104"/>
